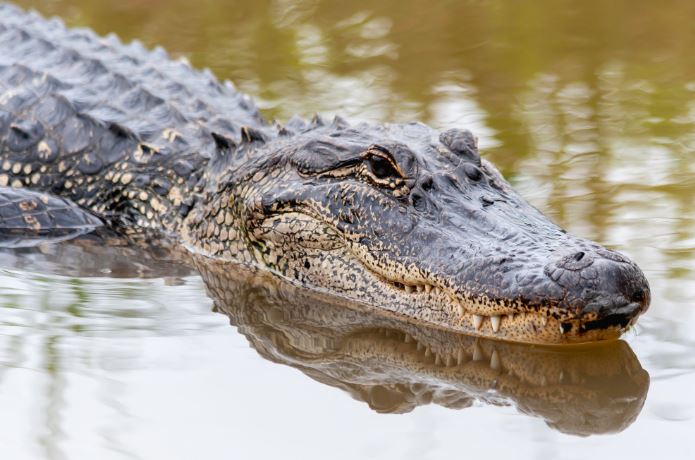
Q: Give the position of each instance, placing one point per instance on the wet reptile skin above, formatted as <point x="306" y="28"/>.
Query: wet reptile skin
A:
<point x="399" y="216"/>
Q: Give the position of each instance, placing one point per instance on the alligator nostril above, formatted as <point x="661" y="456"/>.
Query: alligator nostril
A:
<point x="579" y="256"/>
<point x="427" y="184"/>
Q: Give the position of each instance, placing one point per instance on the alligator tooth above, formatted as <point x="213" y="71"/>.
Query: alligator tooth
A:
<point x="459" y="357"/>
<point x="408" y="289"/>
<point x="420" y="288"/>
<point x="495" y="361"/>
<point x="544" y="321"/>
<point x="449" y="361"/>
<point x="437" y="360"/>
<point x="460" y="308"/>
<point x="428" y="288"/>
<point x="477" y="322"/>
<point x="408" y="339"/>
<point x="495" y="321"/>
<point x="477" y="352"/>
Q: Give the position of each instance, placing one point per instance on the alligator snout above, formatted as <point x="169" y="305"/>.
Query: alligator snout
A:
<point x="604" y="286"/>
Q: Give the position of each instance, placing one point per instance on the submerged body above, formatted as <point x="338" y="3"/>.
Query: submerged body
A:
<point x="401" y="217"/>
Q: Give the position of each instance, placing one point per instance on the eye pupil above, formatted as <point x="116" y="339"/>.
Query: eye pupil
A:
<point x="381" y="168"/>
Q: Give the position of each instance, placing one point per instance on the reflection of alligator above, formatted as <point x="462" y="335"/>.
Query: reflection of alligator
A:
<point x="398" y="216"/>
<point x="395" y="366"/>
<point x="377" y="357"/>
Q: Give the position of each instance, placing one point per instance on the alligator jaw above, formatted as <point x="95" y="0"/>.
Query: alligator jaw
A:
<point x="429" y="299"/>
<point x="515" y="322"/>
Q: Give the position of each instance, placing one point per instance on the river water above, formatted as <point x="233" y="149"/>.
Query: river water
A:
<point x="589" y="110"/>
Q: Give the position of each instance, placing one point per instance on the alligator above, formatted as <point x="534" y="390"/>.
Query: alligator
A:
<point x="410" y="220"/>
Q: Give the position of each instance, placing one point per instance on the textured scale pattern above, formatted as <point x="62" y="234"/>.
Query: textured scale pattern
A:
<point x="75" y="109"/>
<point x="144" y="91"/>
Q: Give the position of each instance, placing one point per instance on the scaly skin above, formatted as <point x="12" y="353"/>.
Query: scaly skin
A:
<point x="398" y="216"/>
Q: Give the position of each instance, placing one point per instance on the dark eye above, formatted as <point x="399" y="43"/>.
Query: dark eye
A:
<point x="381" y="167"/>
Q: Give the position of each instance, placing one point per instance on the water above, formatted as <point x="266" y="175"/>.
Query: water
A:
<point x="587" y="107"/>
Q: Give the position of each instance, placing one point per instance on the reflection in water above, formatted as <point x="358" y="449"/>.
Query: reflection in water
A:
<point x="98" y="254"/>
<point x="395" y="366"/>
<point x="392" y="365"/>
<point x="56" y="332"/>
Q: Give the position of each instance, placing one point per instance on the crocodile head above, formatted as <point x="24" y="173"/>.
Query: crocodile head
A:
<point x="415" y="222"/>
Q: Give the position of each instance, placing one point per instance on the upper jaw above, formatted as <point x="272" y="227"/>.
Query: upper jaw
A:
<point x="531" y="303"/>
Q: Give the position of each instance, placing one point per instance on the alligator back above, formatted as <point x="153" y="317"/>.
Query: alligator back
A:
<point x="85" y="117"/>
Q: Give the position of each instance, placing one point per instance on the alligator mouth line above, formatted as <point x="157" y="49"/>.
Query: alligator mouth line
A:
<point x="478" y="321"/>
<point x="499" y="326"/>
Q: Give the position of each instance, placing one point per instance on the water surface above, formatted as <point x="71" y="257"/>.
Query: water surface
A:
<point x="587" y="107"/>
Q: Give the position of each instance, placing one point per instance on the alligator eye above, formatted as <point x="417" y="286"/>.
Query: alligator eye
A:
<point x="381" y="167"/>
